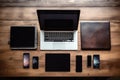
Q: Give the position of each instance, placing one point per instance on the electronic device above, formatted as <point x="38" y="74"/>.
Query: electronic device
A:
<point x="78" y="63"/>
<point x="95" y="35"/>
<point x="96" y="61"/>
<point x="89" y="61"/>
<point x="57" y="62"/>
<point x="35" y="62"/>
<point x="23" y="37"/>
<point x="26" y="60"/>
<point x="58" y="29"/>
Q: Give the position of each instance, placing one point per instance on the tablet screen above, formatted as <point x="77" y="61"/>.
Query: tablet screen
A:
<point x="57" y="62"/>
<point x="22" y="37"/>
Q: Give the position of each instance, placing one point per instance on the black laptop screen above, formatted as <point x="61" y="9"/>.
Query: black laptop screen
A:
<point x="52" y="24"/>
<point x="58" y="19"/>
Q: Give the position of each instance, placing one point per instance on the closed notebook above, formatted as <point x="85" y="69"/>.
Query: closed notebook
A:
<point x="95" y="35"/>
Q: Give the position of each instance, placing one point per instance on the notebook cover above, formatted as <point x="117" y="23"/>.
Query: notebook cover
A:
<point x="95" y="35"/>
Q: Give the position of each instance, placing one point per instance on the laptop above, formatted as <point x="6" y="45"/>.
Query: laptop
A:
<point x="58" y="29"/>
<point x="23" y="37"/>
<point x="95" y="35"/>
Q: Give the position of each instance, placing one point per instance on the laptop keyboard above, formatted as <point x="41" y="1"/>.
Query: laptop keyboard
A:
<point x="58" y="36"/>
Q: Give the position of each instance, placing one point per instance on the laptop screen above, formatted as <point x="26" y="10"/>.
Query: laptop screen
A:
<point x="58" y="23"/>
<point x="58" y="19"/>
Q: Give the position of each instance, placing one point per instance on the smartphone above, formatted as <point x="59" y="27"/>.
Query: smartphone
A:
<point x="35" y="62"/>
<point x="79" y="63"/>
<point x="89" y="61"/>
<point x="26" y="60"/>
<point x="96" y="61"/>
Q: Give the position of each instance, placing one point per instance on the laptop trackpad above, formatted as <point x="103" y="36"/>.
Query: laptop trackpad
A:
<point x="58" y="45"/>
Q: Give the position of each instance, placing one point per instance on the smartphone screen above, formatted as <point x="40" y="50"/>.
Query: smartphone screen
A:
<point x="35" y="63"/>
<point x="26" y="60"/>
<point x="89" y="61"/>
<point x="78" y="63"/>
<point x="96" y="61"/>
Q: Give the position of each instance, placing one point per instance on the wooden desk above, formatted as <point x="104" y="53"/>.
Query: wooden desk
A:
<point x="23" y="13"/>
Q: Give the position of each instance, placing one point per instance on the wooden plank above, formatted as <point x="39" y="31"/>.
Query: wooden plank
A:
<point x="16" y="23"/>
<point x="5" y="49"/>
<point x="87" y="13"/>
<point x="115" y="26"/>
<point x="17" y="54"/>
<point x="39" y="73"/>
<point x="5" y="25"/>
<point x="107" y="67"/>
<point x="59" y="3"/>
<point x="4" y="39"/>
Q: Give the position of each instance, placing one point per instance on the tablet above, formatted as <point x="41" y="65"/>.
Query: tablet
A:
<point x="57" y="62"/>
<point x="23" y="37"/>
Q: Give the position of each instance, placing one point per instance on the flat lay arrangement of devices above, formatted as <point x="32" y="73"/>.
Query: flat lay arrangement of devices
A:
<point x="58" y="31"/>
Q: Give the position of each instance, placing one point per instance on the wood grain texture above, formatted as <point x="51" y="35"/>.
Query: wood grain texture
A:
<point x="87" y="13"/>
<point x="59" y="3"/>
<point x="21" y="14"/>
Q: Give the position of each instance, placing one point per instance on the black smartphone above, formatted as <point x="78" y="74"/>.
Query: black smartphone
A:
<point x="89" y="61"/>
<point x="96" y="61"/>
<point x="26" y="60"/>
<point x="79" y="63"/>
<point x="35" y="62"/>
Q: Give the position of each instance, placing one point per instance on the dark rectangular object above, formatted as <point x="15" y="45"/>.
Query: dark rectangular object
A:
<point x="23" y="37"/>
<point x="26" y="60"/>
<point x="60" y="20"/>
<point x="35" y="62"/>
<point x="64" y="23"/>
<point x="79" y="63"/>
<point x="89" y="61"/>
<point x="95" y="35"/>
<point x="57" y="62"/>
<point x="96" y="61"/>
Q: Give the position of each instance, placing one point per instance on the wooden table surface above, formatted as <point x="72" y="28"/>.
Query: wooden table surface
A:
<point x="23" y="13"/>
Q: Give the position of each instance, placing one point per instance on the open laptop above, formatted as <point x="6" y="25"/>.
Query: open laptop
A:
<point x="58" y="29"/>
